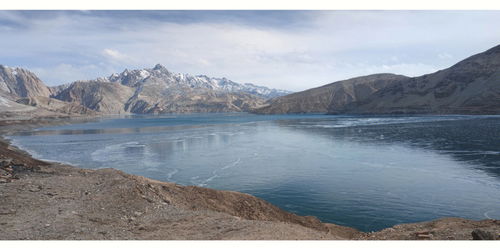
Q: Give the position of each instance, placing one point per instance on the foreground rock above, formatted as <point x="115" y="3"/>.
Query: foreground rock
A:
<point x="442" y="229"/>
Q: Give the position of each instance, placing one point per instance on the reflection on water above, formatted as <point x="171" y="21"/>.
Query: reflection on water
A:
<point x="359" y="171"/>
<point x="468" y="138"/>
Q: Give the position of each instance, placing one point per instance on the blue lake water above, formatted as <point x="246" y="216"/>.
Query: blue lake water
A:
<point x="367" y="172"/>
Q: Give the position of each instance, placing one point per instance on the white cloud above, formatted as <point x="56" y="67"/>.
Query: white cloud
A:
<point x="444" y="56"/>
<point x="327" y="46"/>
<point x="408" y="69"/>
<point x="65" y="73"/>
<point x="115" y="56"/>
<point x="394" y="58"/>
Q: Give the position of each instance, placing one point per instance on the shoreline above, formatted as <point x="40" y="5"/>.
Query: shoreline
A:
<point x="262" y="219"/>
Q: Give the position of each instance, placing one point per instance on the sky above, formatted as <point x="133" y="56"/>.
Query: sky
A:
<point x="292" y="50"/>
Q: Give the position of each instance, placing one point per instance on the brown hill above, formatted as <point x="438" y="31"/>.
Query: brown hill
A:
<point x="331" y="96"/>
<point x="471" y="86"/>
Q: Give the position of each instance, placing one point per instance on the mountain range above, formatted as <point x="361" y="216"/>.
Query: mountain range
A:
<point x="153" y="90"/>
<point x="471" y="86"/>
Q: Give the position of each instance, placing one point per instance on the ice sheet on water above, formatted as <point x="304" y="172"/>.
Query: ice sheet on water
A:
<point x="115" y="152"/>
<point x="374" y="121"/>
<point x="311" y="164"/>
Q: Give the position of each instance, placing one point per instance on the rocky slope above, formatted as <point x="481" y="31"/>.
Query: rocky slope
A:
<point x="21" y="83"/>
<point x="331" y="96"/>
<point x="55" y="105"/>
<point x="21" y="91"/>
<point x="8" y="105"/>
<point x="185" y="100"/>
<point x="62" y="202"/>
<point x="104" y="97"/>
<point x="471" y="86"/>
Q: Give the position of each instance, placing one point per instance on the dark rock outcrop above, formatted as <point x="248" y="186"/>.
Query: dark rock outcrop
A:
<point x="478" y="234"/>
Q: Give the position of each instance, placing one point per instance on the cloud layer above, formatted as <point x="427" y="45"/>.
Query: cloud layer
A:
<point x="293" y="50"/>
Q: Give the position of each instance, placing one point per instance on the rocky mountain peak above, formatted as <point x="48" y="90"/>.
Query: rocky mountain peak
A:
<point x="159" y="67"/>
<point x="21" y="83"/>
<point x="160" y="76"/>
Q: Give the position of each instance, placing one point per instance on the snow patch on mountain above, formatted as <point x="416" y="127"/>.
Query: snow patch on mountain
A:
<point x="159" y="75"/>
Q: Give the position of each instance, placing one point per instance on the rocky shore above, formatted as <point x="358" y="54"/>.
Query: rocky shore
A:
<point x="45" y="200"/>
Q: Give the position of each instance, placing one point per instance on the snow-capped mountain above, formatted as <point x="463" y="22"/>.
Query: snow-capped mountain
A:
<point x="157" y="90"/>
<point x="160" y="75"/>
<point x="154" y="90"/>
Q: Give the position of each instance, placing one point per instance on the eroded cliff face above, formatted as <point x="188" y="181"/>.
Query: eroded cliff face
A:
<point x="21" y="91"/>
<point x="471" y="86"/>
<point x="20" y="82"/>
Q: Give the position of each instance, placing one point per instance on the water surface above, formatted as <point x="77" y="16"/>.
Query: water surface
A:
<point x="367" y="172"/>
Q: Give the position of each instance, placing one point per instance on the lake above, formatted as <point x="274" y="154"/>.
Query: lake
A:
<point x="366" y="172"/>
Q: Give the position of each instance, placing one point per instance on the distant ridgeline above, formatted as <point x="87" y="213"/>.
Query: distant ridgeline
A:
<point x="471" y="86"/>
